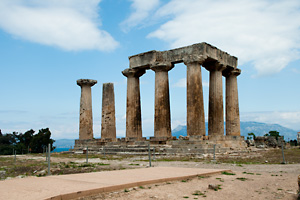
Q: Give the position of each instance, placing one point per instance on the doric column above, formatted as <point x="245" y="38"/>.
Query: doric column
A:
<point x="195" y="104"/>
<point x="86" y="114"/>
<point x="162" y="118"/>
<point x="232" y="102"/>
<point x="133" y="108"/>
<point x="215" y="109"/>
<point x="108" y="120"/>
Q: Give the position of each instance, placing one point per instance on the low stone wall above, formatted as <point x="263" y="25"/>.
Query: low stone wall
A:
<point x="186" y="146"/>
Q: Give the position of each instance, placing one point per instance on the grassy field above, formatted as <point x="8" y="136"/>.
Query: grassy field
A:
<point x="30" y="166"/>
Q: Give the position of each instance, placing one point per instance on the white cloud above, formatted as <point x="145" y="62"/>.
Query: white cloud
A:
<point x="70" y="24"/>
<point x="262" y="32"/>
<point x="181" y="83"/>
<point x="142" y="9"/>
<point x="287" y="119"/>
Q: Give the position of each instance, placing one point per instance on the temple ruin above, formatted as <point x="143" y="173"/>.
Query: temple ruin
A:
<point x="218" y="63"/>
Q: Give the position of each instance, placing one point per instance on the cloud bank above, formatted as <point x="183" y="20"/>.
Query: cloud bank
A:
<point x="141" y="11"/>
<point x="71" y="25"/>
<point x="263" y="33"/>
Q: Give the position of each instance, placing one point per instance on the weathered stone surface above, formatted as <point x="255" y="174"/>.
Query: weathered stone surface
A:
<point x="232" y="102"/>
<point x="215" y="61"/>
<point x="148" y="59"/>
<point x="215" y="110"/>
<point x="195" y="104"/>
<point x="133" y="106"/>
<point x="162" y="118"/>
<point x="86" y="114"/>
<point x="108" y="121"/>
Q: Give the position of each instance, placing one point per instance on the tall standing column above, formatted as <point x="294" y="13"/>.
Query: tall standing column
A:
<point x="108" y="119"/>
<point x="162" y="118"/>
<point x="232" y="103"/>
<point x="215" y="109"/>
<point x="195" y="104"/>
<point x="86" y="114"/>
<point x="133" y="108"/>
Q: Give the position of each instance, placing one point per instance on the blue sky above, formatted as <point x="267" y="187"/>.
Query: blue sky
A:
<point x="45" y="46"/>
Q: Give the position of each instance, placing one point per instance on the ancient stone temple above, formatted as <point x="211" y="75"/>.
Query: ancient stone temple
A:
<point x="196" y="56"/>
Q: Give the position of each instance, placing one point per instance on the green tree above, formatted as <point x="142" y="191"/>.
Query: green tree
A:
<point x="252" y="135"/>
<point x="274" y="134"/>
<point x="41" y="140"/>
<point x="7" y="142"/>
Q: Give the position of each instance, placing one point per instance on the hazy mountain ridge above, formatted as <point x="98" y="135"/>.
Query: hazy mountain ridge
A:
<point x="258" y="128"/>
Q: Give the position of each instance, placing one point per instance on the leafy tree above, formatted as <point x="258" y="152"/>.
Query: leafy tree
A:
<point x="252" y="135"/>
<point x="274" y="134"/>
<point x="21" y="142"/>
<point x="41" y="140"/>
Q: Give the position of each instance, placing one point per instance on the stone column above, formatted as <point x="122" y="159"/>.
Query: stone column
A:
<point x="108" y="120"/>
<point x="162" y="118"/>
<point x="215" y="109"/>
<point x="86" y="114"/>
<point x="133" y="108"/>
<point x="195" y="106"/>
<point x="232" y="102"/>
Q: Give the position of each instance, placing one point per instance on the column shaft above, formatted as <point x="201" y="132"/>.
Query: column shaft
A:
<point x="232" y="104"/>
<point x="162" y="118"/>
<point x="195" y="104"/>
<point x="108" y="120"/>
<point x="215" y="110"/>
<point x="133" y="107"/>
<point x="86" y="114"/>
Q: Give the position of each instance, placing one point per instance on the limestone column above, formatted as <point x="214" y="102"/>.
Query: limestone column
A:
<point x="232" y="103"/>
<point x="108" y="120"/>
<point x="133" y="107"/>
<point x="162" y="118"/>
<point x="86" y="114"/>
<point x="195" y="104"/>
<point x="215" y="109"/>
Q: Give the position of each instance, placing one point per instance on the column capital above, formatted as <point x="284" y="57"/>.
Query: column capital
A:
<point x="194" y="59"/>
<point x="133" y="72"/>
<point x="162" y="66"/>
<point x="215" y="66"/>
<point x="231" y="71"/>
<point x="88" y="82"/>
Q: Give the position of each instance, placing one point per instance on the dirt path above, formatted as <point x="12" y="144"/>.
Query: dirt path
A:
<point x="249" y="182"/>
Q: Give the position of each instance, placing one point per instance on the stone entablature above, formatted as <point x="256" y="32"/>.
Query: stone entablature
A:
<point x="217" y="62"/>
<point x="201" y="52"/>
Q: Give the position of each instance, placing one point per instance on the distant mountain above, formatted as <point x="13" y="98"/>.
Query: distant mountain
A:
<point x="258" y="128"/>
<point x="64" y="143"/>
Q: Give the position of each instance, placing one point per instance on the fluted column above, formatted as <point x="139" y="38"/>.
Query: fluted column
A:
<point x="162" y="118"/>
<point x="195" y="104"/>
<point x="232" y="103"/>
<point x="133" y="107"/>
<point x="86" y="114"/>
<point x="215" y="109"/>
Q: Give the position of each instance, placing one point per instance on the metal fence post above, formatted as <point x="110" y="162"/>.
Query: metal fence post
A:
<point x="87" y="154"/>
<point x="49" y="152"/>
<point x="149" y="153"/>
<point x="283" y="160"/>
<point x="214" y="152"/>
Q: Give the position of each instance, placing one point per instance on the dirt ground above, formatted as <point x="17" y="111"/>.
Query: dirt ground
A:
<point x="248" y="182"/>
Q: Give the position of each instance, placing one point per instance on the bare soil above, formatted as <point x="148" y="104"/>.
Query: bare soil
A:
<point x="248" y="182"/>
<point x="258" y="174"/>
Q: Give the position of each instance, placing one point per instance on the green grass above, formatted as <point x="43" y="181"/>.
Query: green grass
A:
<point x="228" y="173"/>
<point x="242" y="178"/>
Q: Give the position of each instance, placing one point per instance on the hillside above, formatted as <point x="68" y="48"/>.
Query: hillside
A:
<point x="258" y="128"/>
